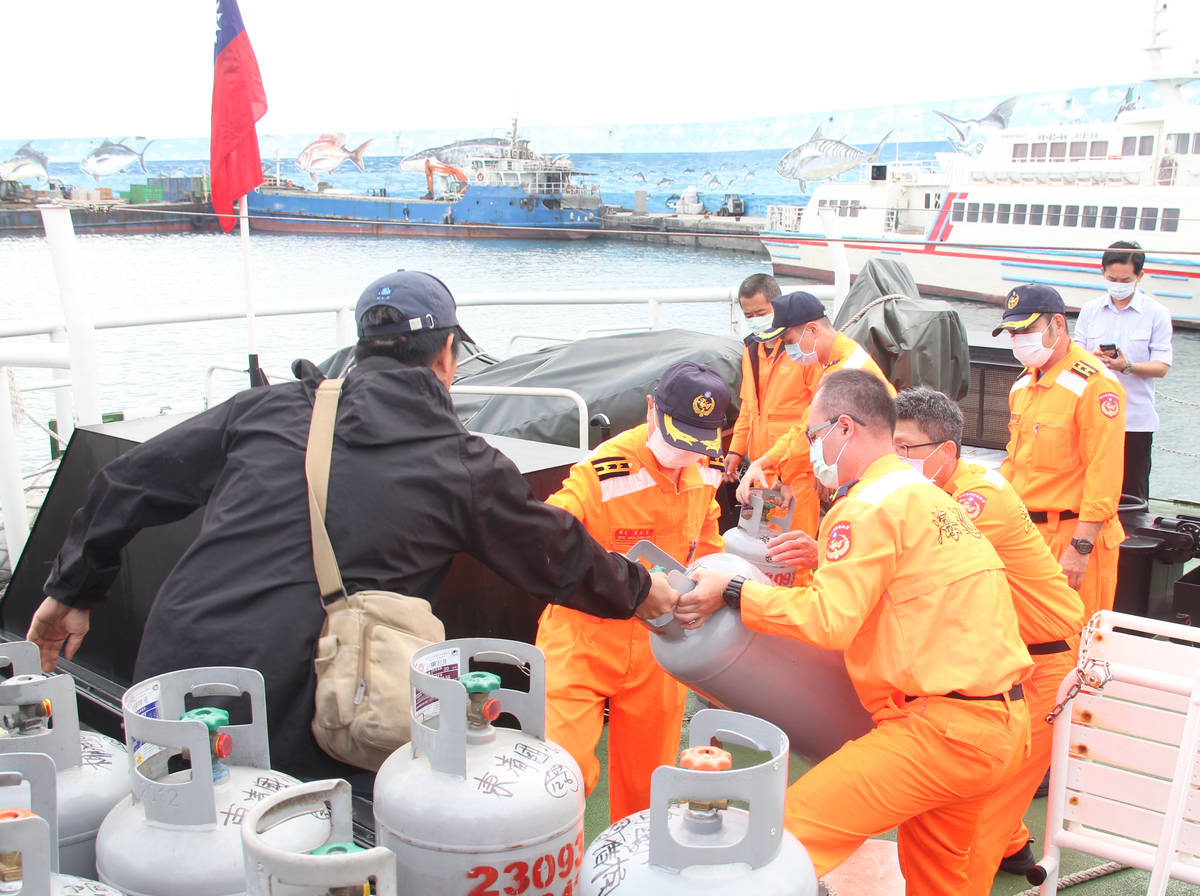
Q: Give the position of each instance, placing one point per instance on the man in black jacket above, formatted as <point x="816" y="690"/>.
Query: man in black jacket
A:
<point x="408" y="488"/>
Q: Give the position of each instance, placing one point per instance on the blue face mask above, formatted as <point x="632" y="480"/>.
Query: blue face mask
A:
<point x="758" y="324"/>
<point x="799" y="355"/>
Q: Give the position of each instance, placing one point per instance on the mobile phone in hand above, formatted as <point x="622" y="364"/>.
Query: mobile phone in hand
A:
<point x="1109" y="349"/>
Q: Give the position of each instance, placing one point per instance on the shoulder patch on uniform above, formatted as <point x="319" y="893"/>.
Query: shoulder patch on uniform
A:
<point x="716" y="463"/>
<point x="1110" y="404"/>
<point x="839" y="542"/>
<point x="973" y="503"/>
<point x="1084" y="369"/>
<point x="610" y="467"/>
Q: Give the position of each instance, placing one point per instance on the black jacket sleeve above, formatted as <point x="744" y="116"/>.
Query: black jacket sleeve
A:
<point x="541" y="549"/>
<point x="159" y="481"/>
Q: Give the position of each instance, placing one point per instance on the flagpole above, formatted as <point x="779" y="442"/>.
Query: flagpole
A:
<point x="256" y="375"/>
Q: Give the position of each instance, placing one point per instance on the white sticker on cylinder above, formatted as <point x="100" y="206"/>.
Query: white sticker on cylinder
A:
<point x="442" y="663"/>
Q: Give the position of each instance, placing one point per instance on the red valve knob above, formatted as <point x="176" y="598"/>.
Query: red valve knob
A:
<point x="490" y="710"/>
<point x="14" y="814"/>
<point x="706" y="759"/>
<point x="222" y="746"/>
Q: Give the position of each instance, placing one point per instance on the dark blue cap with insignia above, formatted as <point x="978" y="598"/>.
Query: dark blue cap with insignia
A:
<point x="1023" y="304"/>
<point x="690" y="401"/>
<point x="793" y="310"/>
<point x="421" y="299"/>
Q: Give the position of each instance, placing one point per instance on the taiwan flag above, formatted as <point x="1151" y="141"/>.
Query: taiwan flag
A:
<point x="238" y="101"/>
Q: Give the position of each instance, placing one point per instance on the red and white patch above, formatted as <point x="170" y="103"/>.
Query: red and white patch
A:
<point x="973" y="503"/>
<point x="1110" y="404"/>
<point x="838" y="545"/>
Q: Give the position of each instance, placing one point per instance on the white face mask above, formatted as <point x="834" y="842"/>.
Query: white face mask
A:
<point x="798" y="354"/>
<point x="826" y="474"/>
<point x="919" y="466"/>
<point x="758" y="324"/>
<point x="668" y="456"/>
<point x="1029" y="349"/>
<point x="1120" y="291"/>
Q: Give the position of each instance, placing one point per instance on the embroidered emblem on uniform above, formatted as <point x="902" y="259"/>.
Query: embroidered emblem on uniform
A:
<point x="948" y="525"/>
<point x="1013" y="298"/>
<point x="973" y="503"/>
<point x="1110" y="404"/>
<point x="632" y="535"/>
<point x="1026" y="520"/>
<point x="703" y="405"/>
<point x="1084" y="369"/>
<point x="610" y="467"/>
<point x="716" y="463"/>
<point x="1013" y="418"/>
<point x="838" y="545"/>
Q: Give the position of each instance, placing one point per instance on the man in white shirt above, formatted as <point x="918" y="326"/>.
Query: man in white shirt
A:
<point x="1131" y="335"/>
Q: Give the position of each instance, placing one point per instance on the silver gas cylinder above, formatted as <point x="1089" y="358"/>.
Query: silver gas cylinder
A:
<point x="690" y="840"/>
<point x="335" y="868"/>
<point x="803" y="689"/>
<point x="39" y="714"/>
<point x="766" y="515"/>
<point x="469" y="808"/>
<point x="179" y="832"/>
<point x="28" y="837"/>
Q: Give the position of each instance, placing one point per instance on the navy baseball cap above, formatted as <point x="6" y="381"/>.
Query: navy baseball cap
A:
<point x="1024" y="304"/>
<point x="422" y="299"/>
<point x="793" y="310"/>
<point x="690" y="401"/>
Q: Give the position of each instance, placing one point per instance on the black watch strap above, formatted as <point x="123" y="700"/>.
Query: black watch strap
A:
<point x="1082" y="545"/>
<point x="732" y="594"/>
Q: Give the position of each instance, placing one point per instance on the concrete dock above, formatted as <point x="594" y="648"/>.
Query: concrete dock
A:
<point x="735" y="234"/>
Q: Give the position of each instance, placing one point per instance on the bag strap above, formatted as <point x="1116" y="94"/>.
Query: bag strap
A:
<point x="752" y="344"/>
<point x="317" y="461"/>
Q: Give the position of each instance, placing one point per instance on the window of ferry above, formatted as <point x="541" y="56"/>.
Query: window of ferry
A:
<point x="1053" y="215"/>
<point x="1108" y="217"/>
<point x="1128" y="217"/>
<point x="1178" y="143"/>
<point x="854" y="207"/>
<point x="1003" y="212"/>
<point x="1099" y="149"/>
<point x="1071" y="218"/>
<point x="1196" y="144"/>
<point x="843" y="207"/>
<point x="1146" y="145"/>
<point x="989" y="212"/>
<point x="1019" y="213"/>
<point x="959" y="212"/>
<point x="1089" y="216"/>
<point x="1037" y="152"/>
<point x="1149" y="218"/>
<point x="1078" y="150"/>
<point x="1021" y="151"/>
<point x="973" y="212"/>
<point x="1170" y="220"/>
<point x="1035" y="214"/>
<point x="1058" y="151"/>
<point x="1129" y="146"/>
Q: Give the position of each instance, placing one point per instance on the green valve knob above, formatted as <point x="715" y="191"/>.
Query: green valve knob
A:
<point x="212" y="717"/>
<point x="480" y="682"/>
<point x="336" y="849"/>
<point x="658" y="568"/>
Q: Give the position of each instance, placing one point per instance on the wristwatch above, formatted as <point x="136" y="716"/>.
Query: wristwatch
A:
<point x="1082" y="545"/>
<point x="732" y="595"/>
<point x="1128" y="367"/>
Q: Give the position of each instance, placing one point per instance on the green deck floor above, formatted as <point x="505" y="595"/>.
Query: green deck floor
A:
<point x="1119" y="884"/>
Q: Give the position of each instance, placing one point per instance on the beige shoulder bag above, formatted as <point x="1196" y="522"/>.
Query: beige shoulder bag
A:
<point x="368" y="639"/>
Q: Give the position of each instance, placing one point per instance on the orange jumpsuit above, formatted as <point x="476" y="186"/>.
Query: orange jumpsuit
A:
<point x="1066" y="453"/>
<point x="916" y="598"/>
<point x="1050" y="616"/>
<point x="620" y="494"/>
<point x="785" y="390"/>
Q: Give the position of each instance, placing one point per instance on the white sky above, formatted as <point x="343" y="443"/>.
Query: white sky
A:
<point x="144" y="67"/>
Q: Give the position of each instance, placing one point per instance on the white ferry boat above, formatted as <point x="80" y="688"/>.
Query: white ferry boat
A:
<point x="965" y="225"/>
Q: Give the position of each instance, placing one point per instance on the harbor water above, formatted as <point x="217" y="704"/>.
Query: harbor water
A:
<point x="145" y="370"/>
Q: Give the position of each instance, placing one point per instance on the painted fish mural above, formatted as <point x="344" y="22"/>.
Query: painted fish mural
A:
<point x="328" y="153"/>
<point x="26" y="163"/>
<point x="457" y="153"/>
<point x="111" y="158"/>
<point x="971" y="135"/>
<point x="822" y="158"/>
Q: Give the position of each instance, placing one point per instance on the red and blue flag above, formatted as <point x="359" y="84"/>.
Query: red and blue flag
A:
<point x="238" y="101"/>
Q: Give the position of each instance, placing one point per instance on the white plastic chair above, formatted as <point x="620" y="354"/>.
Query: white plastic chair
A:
<point x="1124" y="783"/>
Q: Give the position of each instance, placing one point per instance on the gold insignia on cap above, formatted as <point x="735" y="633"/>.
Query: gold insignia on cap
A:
<point x="1013" y="298"/>
<point x="703" y="404"/>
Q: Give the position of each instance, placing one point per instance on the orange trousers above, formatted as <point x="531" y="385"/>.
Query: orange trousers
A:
<point x="1099" y="587"/>
<point x="929" y="767"/>
<point x="1002" y="830"/>
<point x="589" y="661"/>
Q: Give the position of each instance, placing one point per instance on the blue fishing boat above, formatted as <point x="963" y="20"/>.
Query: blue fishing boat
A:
<point x="510" y="193"/>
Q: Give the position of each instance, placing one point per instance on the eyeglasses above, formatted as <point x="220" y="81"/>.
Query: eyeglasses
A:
<point x="903" y="450"/>
<point x="811" y="434"/>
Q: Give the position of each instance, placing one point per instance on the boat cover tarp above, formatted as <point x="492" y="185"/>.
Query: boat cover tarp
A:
<point x="612" y="373"/>
<point x="915" y="341"/>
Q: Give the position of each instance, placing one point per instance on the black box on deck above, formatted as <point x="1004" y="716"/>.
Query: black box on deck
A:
<point x="1187" y="596"/>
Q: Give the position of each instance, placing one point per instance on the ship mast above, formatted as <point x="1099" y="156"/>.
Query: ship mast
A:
<point x="1165" y="70"/>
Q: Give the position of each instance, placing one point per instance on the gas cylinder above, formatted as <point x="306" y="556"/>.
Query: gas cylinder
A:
<point x="29" y="837"/>
<point x="690" y="840"/>
<point x="471" y="808"/>
<point x="179" y="832"/>
<point x="39" y="714"/>
<point x="766" y="515"/>
<point x="801" y="688"/>
<point x="337" y="867"/>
